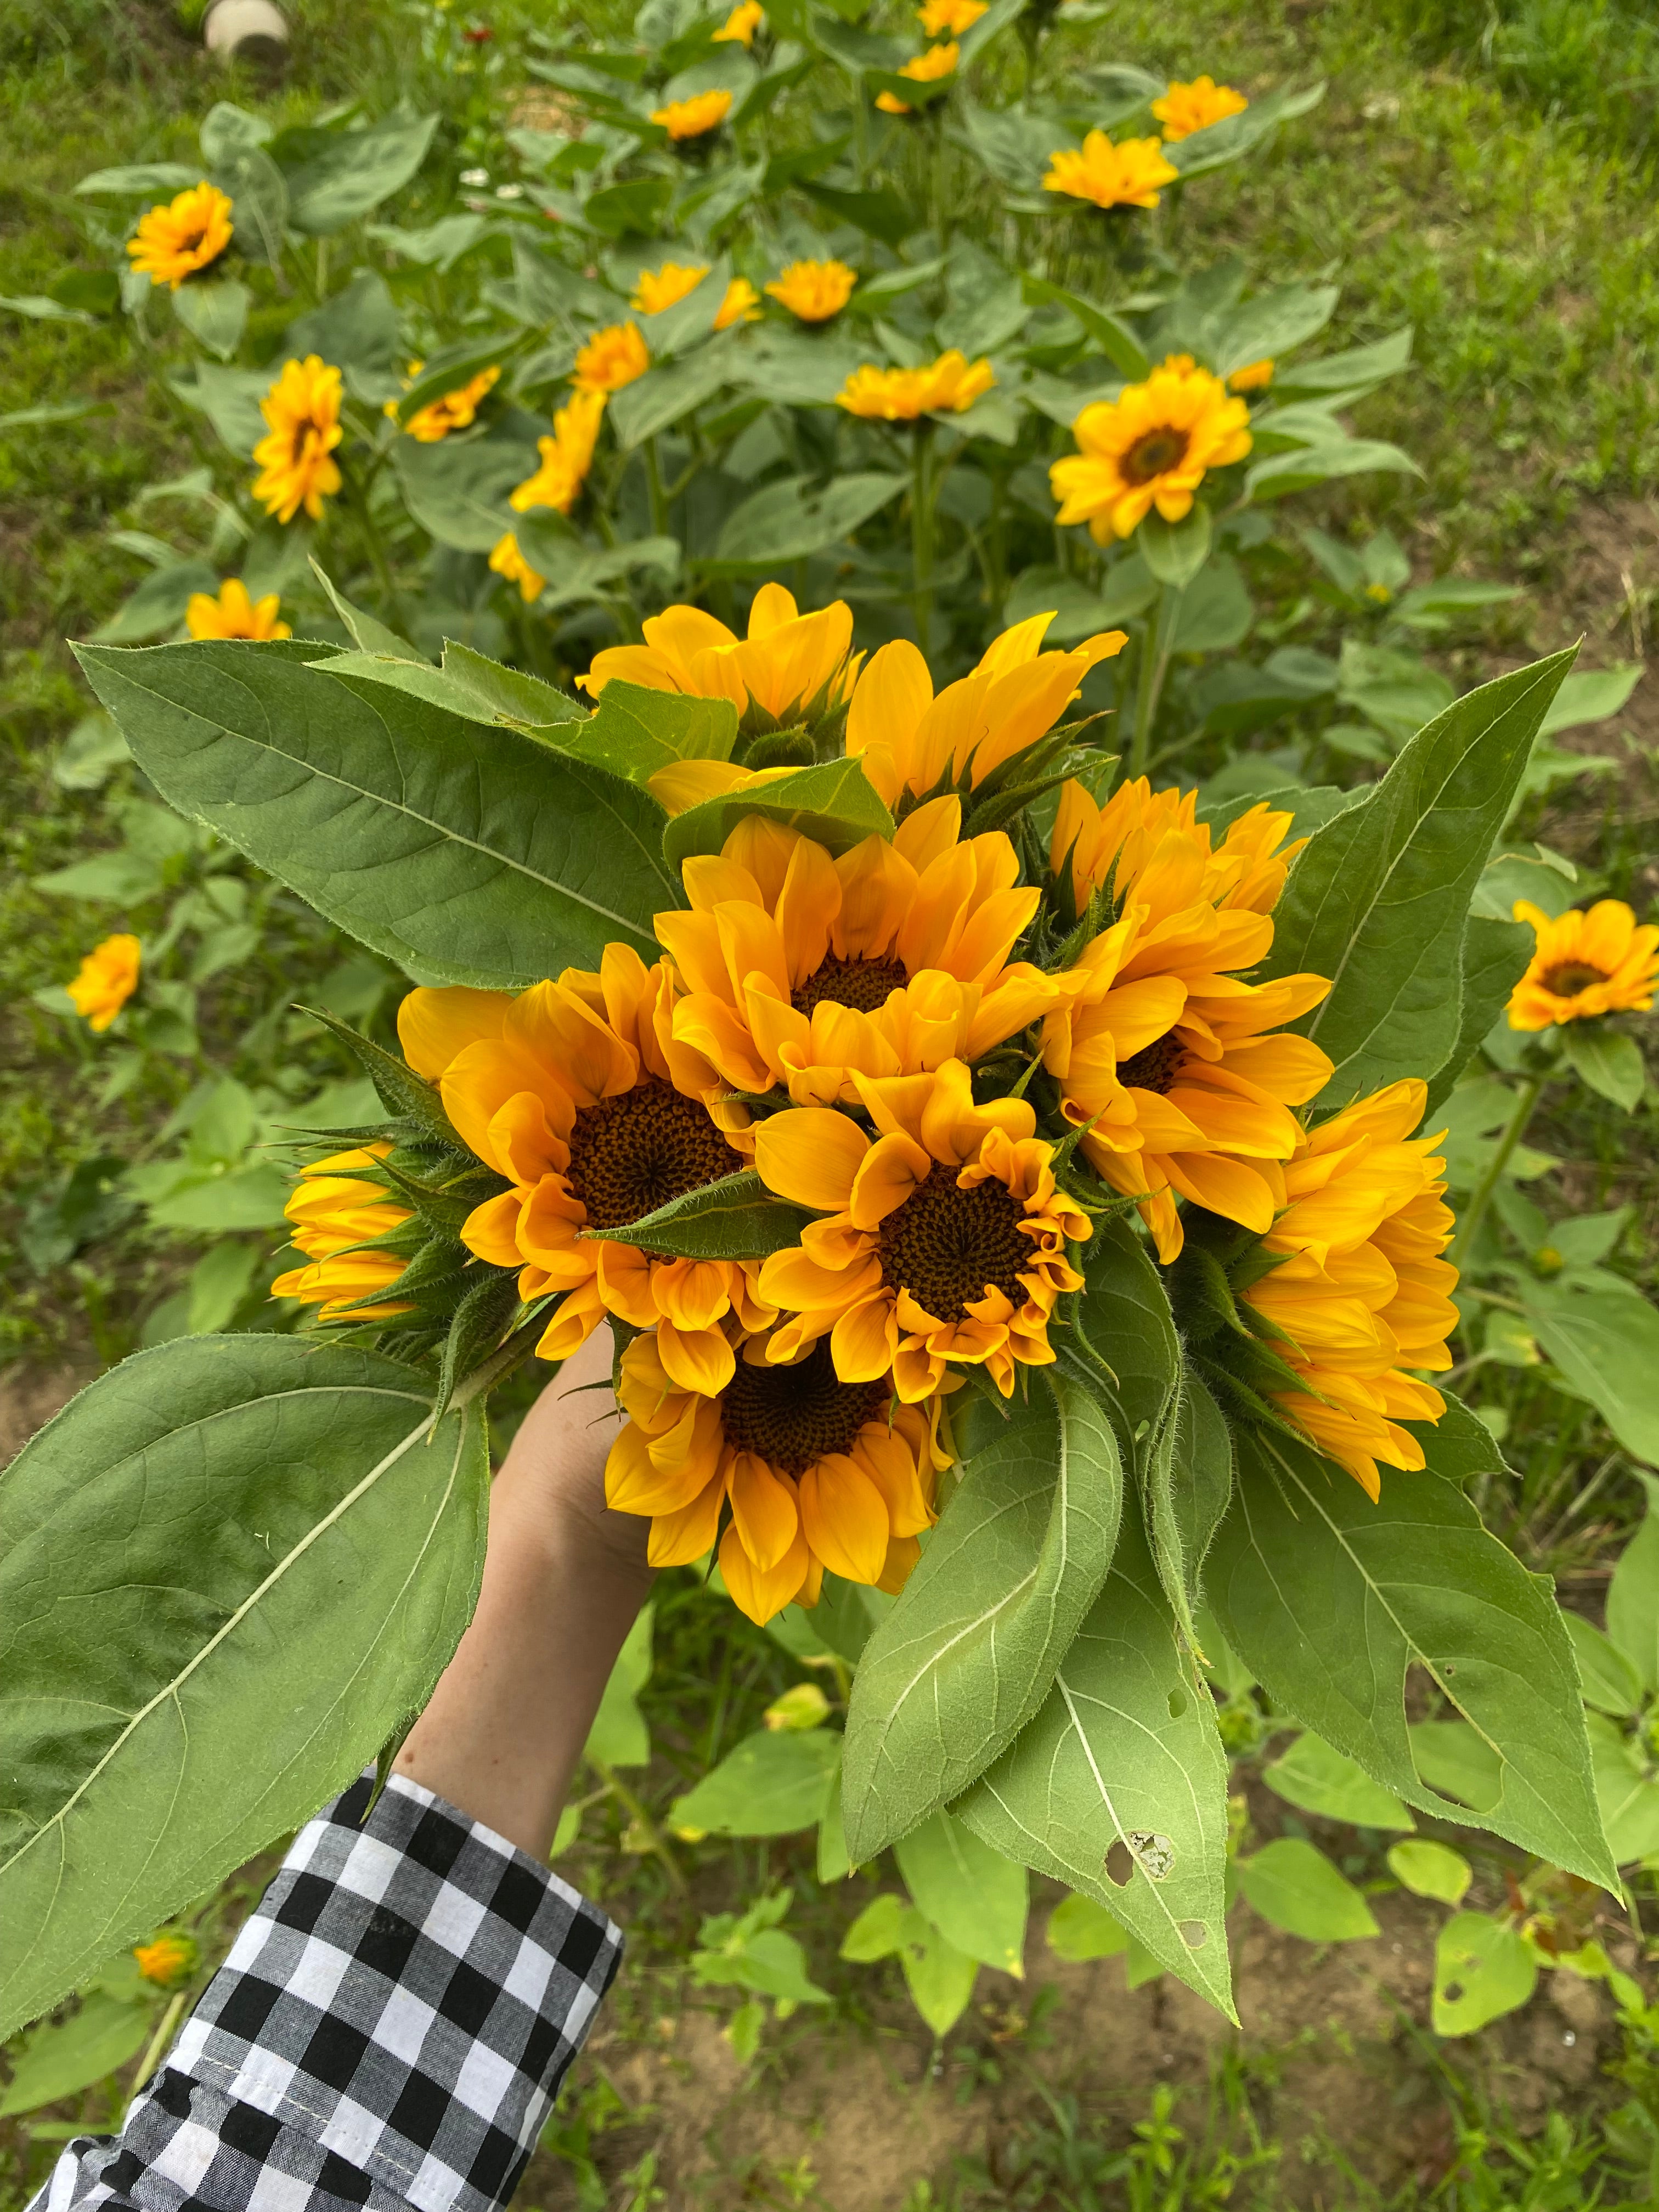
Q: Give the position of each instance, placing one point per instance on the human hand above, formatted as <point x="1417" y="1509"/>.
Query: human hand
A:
<point x="554" y="1473"/>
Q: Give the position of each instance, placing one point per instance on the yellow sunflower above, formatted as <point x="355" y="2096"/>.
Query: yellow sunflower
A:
<point x="694" y="118"/>
<point x="949" y="385"/>
<point x="790" y="669"/>
<point x="741" y="25"/>
<point x="944" y="1239"/>
<point x="1255" y="376"/>
<point x="1361" y="1295"/>
<point x="173" y="242"/>
<point x="169" y="1960"/>
<point x="296" y="467"/>
<point x="1128" y="174"/>
<point x="233" y="614"/>
<point x="1585" y="965"/>
<point x="810" y="972"/>
<point x="1092" y="846"/>
<point x="577" y="1094"/>
<point x="612" y="357"/>
<point x="105" y="980"/>
<point x="910" y="742"/>
<point x="928" y="68"/>
<point x="950" y="18"/>
<point x="335" y="1212"/>
<point x="1150" y="447"/>
<point x="658" y="289"/>
<point x="456" y="410"/>
<point x="567" y="456"/>
<point x="1186" y="108"/>
<point x="806" y="1472"/>
<point x="508" y="561"/>
<point x="813" y="291"/>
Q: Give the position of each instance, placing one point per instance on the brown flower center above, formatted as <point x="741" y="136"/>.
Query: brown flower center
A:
<point x="791" y="1417"/>
<point x="1154" y="1066"/>
<point x="865" y="984"/>
<point x="948" y="1246"/>
<point x="1569" y="977"/>
<point x="1154" y="454"/>
<point x="632" y="1153"/>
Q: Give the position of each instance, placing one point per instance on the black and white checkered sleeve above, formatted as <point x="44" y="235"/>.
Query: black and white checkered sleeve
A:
<point x="390" y="2029"/>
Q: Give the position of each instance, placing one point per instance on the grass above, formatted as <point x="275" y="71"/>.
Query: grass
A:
<point x="1461" y="183"/>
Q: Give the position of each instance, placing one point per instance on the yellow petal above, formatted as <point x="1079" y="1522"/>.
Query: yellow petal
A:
<point x="434" y="1025"/>
<point x="810" y="1155"/>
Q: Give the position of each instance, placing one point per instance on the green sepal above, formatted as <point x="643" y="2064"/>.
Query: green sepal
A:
<point x="481" y="1320"/>
<point x="400" y="1091"/>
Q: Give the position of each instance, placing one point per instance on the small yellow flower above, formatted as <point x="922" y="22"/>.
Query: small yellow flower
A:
<point x="814" y="290"/>
<point x="506" y="561"/>
<point x="694" y="118"/>
<point x="168" y="1961"/>
<point x="1255" y="376"/>
<point x="950" y="385"/>
<point x="567" y="457"/>
<point x="922" y="69"/>
<point x="1125" y="175"/>
<point x="334" y="1215"/>
<point x="1585" y="965"/>
<point x="612" y="357"/>
<point x="741" y="25"/>
<point x="174" y="241"/>
<point x="1150" y="447"/>
<point x="303" y="410"/>
<point x="454" y="411"/>
<point x="950" y="18"/>
<point x="740" y="305"/>
<point x="105" y="980"/>
<point x="658" y="289"/>
<point x="233" y="614"/>
<point x="1186" y="108"/>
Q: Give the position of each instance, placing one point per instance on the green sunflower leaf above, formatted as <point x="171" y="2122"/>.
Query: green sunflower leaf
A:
<point x="834" y="803"/>
<point x="735" y="1219"/>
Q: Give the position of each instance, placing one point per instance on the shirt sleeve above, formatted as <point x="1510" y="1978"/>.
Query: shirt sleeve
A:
<point x="390" y="2029"/>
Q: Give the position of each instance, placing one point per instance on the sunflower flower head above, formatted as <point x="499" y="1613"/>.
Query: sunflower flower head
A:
<point x="1186" y="108"/>
<point x="915" y="746"/>
<point x="949" y="19"/>
<point x="741" y="304"/>
<point x="105" y="981"/>
<point x="455" y="410"/>
<point x="168" y="1961"/>
<point x="791" y="671"/>
<point x="809" y="973"/>
<point x="1150" y="447"/>
<point x="567" y="456"/>
<point x="578" y="1095"/>
<point x="658" y="289"/>
<point x="1108" y="848"/>
<point x="233" y="614"/>
<point x="1255" y="376"/>
<point x="173" y="242"/>
<point x="786" y="1468"/>
<point x="1359" y="1300"/>
<point x="949" y="385"/>
<point x="1129" y="175"/>
<point x="506" y="559"/>
<point x="336" y="1215"/>
<point x="930" y="67"/>
<point x="695" y="117"/>
<point x="741" y="25"/>
<point x="612" y="357"/>
<point x="1584" y="965"/>
<point x="296" y="465"/>
<point x="941" y="1240"/>
<point x="813" y="291"/>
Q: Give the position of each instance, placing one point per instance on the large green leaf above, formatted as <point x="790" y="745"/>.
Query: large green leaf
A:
<point x="230" y="1567"/>
<point x="1633" y="1598"/>
<point x="790" y="519"/>
<point x="835" y="803"/>
<point x="635" y="731"/>
<point x="735" y="1219"/>
<point x="968" y="1652"/>
<point x="1292" y="1884"/>
<point x="1606" y="1343"/>
<point x="335" y="176"/>
<point x="769" y="1785"/>
<point x="1331" y="1601"/>
<point x="456" y="489"/>
<point x="1495" y="957"/>
<point x="974" y="1897"/>
<point x="1119" y="1786"/>
<point x="1379" y="899"/>
<point x="467" y="854"/>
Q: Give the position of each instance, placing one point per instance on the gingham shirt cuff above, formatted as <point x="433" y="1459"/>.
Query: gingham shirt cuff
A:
<point x="403" y="2004"/>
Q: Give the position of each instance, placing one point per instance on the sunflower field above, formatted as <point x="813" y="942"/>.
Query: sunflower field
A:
<point x="801" y="682"/>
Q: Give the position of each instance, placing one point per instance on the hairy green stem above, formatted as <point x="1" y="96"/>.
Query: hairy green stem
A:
<point x="1474" y="1213"/>
<point x="654" y="484"/>
<point x="157" y="2049"/>
<point x="357" y="500"/>
<point x="1155" y="649"/>
<point x="922" y="492"/>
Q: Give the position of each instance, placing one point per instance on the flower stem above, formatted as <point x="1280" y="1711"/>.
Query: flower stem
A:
<point x="357" y="499"/>
<point x="655" y="1841"/>
<point x="156" y="2049"/>
<point x="921" y="533"/>
<point x="654" y="484"/>
<point x="1474" y="1213"/>
<point x="1154" y="667"/>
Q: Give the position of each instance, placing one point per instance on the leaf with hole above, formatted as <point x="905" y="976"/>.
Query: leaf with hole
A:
<point x="1482" y="1969"/>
